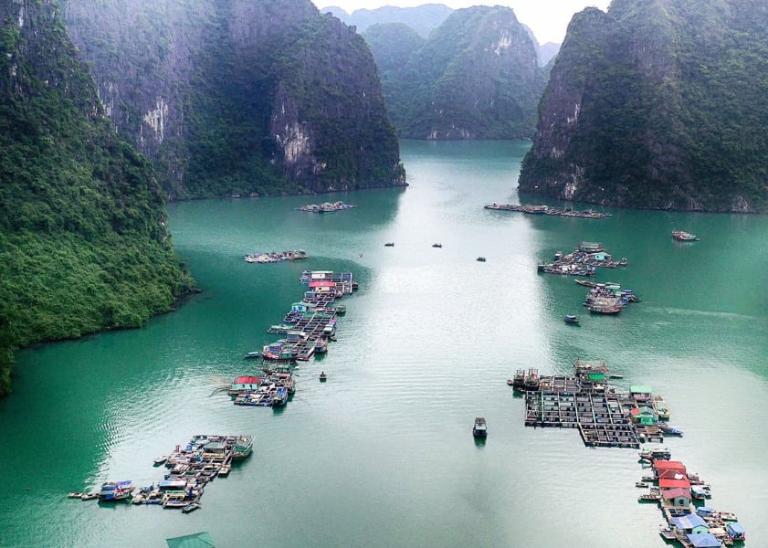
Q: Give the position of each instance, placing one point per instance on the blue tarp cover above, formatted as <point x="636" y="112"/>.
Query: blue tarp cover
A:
<point x="704" y="540"/>
<point x="704" y="510"/>
<point x="735" y="528"/>
<point x="688" y="522"/>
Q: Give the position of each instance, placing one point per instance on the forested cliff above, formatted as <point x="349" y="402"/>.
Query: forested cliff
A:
<point x="658" y="104"/>
<point x="83" y="238"/>
<point x="477" y="76"/>
<point x="239" y="97"/>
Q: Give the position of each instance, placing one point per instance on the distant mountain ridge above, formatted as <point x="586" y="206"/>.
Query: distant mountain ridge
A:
<point x="658" y="104"/>
<point x="423" y="19"/>
<point x="477" y="76"/>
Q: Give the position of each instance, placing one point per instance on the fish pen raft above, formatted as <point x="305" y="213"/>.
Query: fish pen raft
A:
<point x="604" y="416"/>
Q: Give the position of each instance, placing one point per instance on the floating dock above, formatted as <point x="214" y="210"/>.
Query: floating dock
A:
<point x="546" y="210"/>
<point x="325" y="207"/>
<point x="190" y="469"/>
<point x="604" y="415"/>
<point x="584" y="261"/>
<point x="276" y="256"/>
<point x="307" y="328"/>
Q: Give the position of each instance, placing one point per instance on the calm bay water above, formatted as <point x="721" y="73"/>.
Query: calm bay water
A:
<point x="382" y="454"/>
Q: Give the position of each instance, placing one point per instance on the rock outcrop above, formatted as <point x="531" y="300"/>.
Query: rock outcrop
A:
<point x="657" y="104"/>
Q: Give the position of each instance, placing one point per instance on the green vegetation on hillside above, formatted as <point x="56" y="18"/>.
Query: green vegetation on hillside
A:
<point x="476" y="77"/>
<point x="83" y="241"/>
<point x="199" y="87"/>
<point x="672" y="103"/>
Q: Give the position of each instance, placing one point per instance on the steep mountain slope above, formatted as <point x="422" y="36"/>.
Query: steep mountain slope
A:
<point x="658" y="104"/>
<point x="476" y="77"/>
<point x="423" y="19"/>
<point x="239" y="97"/>
<point x="83" y="238"/>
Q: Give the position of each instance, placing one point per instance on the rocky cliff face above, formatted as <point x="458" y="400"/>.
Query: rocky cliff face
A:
<point x="239" y="97"/>
<point x="657" y="104"/>
<point x="83" y="238"/>
<point x="476" y="77"/>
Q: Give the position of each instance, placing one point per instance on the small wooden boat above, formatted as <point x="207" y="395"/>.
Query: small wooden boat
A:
<point x="682" y="236"/>
<point x="641" y="484"/>
<point x="191" y="508"/>
<point x="75" y="495"/>
<point x="437" y="245"/>
<point x="615" y="377"/>
<point x="510" y="382"/>
<point x="252" y="356"/>
<point x="667" y="533"/>
<point x="89" y="496"/>
<point x="481" y="259"/>
<point x="571" y="319"/>
<point x="323" y="377"/>
<point x="225" y="470"/>
<point x="649" y="497"/>
<point x="138" y="499"/>
<point x="160" y="460"/>
<point x="389" y="244"/>
<point x="480" y="429"/>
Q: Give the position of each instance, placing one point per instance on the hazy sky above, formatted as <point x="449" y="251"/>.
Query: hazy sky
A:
<point x="547" y="18"/>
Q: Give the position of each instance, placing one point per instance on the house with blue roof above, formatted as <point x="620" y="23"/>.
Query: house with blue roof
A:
<point x="704" y="540"/>
<point x="690" y="523"/>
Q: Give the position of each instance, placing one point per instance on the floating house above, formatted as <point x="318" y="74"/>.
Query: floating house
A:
<point x="675" y="483"/>
<point x="643" y="415"/>
<point x="704" y="540"/>
<point x="591" y="247"/>
<point x="678" y="497"/>
<point x="690" y="524"/>
<point x="640" y="389"/>
<point x="245" y="382"/>
<point x="662" y="467"/>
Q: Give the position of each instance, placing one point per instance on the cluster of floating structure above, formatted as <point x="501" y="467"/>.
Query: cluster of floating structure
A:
<point x="607" y="298"/>
<point x="307" y="329"/>
<point x="325" y="207"/>
<point x="681" y="496"/>
<point x="584" y="261"/>
<point x="604" y="415"/>
<point x="190" y="469"/>
<point x="311" y="321"/>
<point x="276" y="256"/>
<point x="546" y="210"/>
<point x="272" y="388"/>
<point x="608" y="417"/>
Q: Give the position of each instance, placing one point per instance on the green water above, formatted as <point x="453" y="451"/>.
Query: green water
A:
<point x="382" y="454"/>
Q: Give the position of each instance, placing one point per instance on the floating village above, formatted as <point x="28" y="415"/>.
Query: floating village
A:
<point x="276" y="256"/>
<point x="606" y="416"/>
<point x="325" y="207"/>
<point x="308" y="327"/>
<point x="189" y="470"/>
<point x="546" y="210"/>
